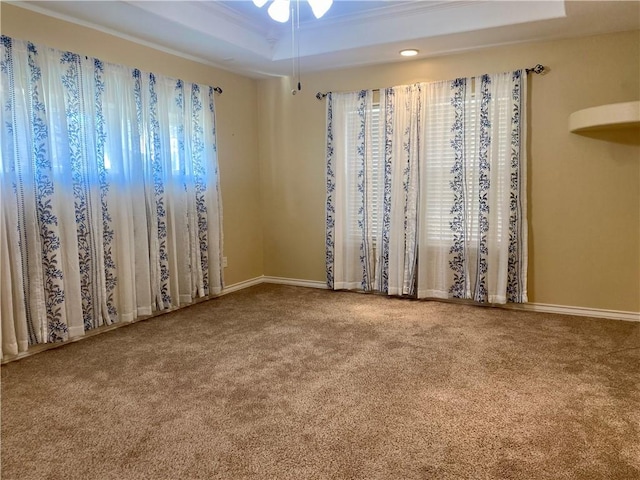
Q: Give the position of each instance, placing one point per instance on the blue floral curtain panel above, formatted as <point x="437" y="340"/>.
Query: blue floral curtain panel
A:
<point x="353" y="189"/>
<point x="443" y="194"/>
<point x="402" y="110"/>
<point x="109" y="190"/>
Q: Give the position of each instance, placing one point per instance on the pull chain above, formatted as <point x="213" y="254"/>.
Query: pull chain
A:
<point x="295" y="45"/>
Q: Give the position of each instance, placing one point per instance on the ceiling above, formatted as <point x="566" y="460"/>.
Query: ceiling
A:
<point x="238" y="36"/>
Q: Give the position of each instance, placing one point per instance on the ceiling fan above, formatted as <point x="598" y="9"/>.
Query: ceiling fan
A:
<point x="279" y="9"/>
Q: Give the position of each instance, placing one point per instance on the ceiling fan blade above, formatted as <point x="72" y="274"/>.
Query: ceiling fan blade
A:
<point x="279" y="10"/>
<point x="320" y="7"/>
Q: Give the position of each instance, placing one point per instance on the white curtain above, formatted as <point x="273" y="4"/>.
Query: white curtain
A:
<point x="353" y="185"/>
<point x="403" y="109"/>
<point x="473" y="229"/>
<point x="110" y="202"/>
<point x="372" y="172"/>
<point x="448" y="194"/>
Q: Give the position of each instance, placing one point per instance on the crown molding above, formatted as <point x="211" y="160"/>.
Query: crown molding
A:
<point x="391" y="10"/>
<point x="130" y="38"/>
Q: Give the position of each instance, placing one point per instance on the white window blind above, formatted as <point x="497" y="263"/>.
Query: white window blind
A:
<point x="373" y="172"/>
<point x="438" y="167"/>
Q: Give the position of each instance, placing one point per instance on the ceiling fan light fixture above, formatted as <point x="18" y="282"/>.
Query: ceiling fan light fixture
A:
<point x="279" y="10"/>
<point x="320" y="7"/>
<point x="409" y="52"/>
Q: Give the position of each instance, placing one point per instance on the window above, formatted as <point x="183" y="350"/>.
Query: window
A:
<point x="117" y="211"/>
<point x="437" y="169"/>
<point x="453" y="188"/>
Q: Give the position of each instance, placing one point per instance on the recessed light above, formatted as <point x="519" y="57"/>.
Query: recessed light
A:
<point x="409" y="52"/>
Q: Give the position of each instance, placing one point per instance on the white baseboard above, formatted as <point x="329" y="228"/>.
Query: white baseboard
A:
<point x="295" y="282"/>
<point x="277" y="280"/>
<point x="578" y="311"/>
<point x="530" y="307"/>
<point x="240" y="285"/>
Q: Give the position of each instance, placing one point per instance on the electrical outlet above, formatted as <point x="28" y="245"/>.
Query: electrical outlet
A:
<point x="224" y="262"/>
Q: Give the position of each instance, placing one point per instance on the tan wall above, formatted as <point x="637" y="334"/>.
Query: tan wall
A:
<point x="584" y="192"/>
<point x="236" y="122"/>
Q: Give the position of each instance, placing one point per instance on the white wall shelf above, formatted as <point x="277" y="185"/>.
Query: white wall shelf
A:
<point x="614" y="115"/>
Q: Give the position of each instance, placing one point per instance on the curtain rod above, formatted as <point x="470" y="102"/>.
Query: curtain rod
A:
<point x="537" y="69"/>
<point x="218" y="90"/>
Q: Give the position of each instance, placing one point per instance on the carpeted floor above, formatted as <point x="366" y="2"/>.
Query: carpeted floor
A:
<point x="277" y="382"/>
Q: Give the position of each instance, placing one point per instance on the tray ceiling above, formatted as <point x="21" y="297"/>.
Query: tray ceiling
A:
<point x="238" y="36"/>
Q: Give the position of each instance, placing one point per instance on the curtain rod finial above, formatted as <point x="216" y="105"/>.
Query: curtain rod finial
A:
<point x="538" y="69"/>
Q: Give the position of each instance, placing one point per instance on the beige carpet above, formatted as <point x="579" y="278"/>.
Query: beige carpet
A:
<point x="278" y="382"/>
